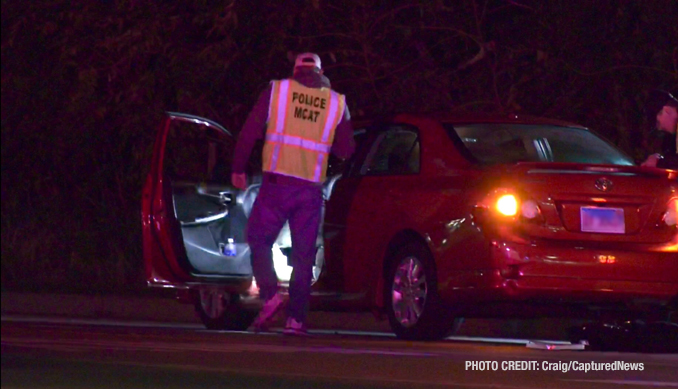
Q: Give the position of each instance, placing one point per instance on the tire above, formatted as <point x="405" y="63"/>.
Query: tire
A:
<point x="413" y="305"/>
<point x="219" y="310"/>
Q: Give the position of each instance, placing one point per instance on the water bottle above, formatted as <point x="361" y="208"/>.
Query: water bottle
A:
<point x="228" y="249"/>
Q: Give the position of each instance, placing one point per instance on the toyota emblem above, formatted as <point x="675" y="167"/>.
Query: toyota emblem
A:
<point x="603" y="184"/>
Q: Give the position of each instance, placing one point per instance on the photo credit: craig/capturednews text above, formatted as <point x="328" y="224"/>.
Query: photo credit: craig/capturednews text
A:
<point x="564" y="367"/>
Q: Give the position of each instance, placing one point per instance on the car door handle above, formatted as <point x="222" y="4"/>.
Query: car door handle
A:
<point x="225" y="197"/>
<point x="206" y="218"/>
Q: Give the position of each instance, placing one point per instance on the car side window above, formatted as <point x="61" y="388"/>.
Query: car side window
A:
<point x="395" y="152"/>
<point x="197" y="153"/>
<point x="338" y="166"/>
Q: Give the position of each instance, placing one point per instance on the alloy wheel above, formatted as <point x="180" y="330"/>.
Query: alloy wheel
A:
<point x="408" y="291"/>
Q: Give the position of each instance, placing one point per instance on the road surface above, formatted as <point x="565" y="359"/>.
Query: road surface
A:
<point x="48" y="353"/>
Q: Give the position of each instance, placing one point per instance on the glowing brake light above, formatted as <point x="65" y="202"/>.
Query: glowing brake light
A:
<point x="507" y="205"/>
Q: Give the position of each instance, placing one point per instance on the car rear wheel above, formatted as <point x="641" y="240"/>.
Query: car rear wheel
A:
<point x="219" y="310"/>
<point x="414" y="308"/>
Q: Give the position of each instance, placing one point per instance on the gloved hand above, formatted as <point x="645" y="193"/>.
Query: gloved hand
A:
<point x="652" y="160"/>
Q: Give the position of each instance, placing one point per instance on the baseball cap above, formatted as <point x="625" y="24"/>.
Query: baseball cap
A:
<point x="307" y="59"/>
<point x="657" y="99"/>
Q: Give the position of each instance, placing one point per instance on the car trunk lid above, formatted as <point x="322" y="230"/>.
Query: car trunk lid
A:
<point x="602" y="225"/>
<point x="585" y="202"/>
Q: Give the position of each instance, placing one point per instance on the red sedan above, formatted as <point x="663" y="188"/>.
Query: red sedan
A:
<point x="435" y="218"/>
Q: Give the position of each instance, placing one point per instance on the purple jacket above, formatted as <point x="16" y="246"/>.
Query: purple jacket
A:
<point x="255" y="127"/>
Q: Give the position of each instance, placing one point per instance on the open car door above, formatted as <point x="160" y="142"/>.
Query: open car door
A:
<point x="194" y="222"/>
<point x="193" y="227"/>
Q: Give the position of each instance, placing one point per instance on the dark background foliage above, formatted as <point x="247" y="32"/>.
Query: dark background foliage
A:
<point x="84" y="84"/>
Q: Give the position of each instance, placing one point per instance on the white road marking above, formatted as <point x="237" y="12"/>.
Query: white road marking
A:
<point x="275" y="331"/>
<point x="89" y="344"/>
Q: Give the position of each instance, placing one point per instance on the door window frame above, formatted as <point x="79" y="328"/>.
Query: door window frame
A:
<point x="377" y="140"/>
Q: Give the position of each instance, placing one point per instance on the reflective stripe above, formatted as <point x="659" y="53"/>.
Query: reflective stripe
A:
<point x="334" y="102"/>
<point x="274" y="157"/>
<point x="337" y="105"/>
<point x="318" y="167"/>
<point x="290" y="140"/>
<point x="280" y="119"/>
<point x="287" y="129"/>
<point x="282" y="106"/>
<point x="270" y="102"/>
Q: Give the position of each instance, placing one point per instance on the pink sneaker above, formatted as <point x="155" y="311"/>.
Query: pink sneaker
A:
<point x="268" y="313"/>
<point x="294" y="327"/>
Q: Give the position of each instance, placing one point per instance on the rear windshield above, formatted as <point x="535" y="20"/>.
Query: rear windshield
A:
<point x="498" y="143"/>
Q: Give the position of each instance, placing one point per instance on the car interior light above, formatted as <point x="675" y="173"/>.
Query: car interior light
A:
<point x="283" y="271"/>
<point x="507" y="205"/>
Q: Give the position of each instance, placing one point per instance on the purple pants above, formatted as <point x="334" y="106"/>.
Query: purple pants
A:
<point x="276" y="204"/>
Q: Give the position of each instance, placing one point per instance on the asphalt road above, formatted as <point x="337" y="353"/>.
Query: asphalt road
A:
<point x="89" y="354"/>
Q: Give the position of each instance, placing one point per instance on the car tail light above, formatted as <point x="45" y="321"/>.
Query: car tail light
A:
<point x="507" y="205"/>
<point x="671" y="214"/>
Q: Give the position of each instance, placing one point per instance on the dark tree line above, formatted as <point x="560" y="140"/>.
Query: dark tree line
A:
<point x="84" y="84"/>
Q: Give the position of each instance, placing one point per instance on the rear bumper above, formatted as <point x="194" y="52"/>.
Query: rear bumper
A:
<point x="627" y="275"/>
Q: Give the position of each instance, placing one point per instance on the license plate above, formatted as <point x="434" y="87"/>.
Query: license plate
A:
<point x="603" y="220"/>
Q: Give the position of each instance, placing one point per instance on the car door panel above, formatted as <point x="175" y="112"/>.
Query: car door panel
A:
<point x="196" y="211"/>
<point x="204" y="214"/>
<point x="363" y="212"/>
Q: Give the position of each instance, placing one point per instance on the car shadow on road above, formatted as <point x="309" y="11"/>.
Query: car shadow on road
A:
<point x="628" y="336"/>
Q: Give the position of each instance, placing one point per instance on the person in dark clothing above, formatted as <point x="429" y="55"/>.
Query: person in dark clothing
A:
<point x="302" y="120"/>
<point x="665" y="108"/>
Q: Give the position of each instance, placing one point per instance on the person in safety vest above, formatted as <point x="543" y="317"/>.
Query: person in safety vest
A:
<point x="302" y="120"/>
<point x="664" y="109"/>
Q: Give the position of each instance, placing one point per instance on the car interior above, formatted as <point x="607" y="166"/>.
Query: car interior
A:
<point x="197" y="164"/>
<point x="396" y="152"/>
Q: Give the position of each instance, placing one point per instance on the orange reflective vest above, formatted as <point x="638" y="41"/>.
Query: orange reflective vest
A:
<point x="300" y="129"/>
